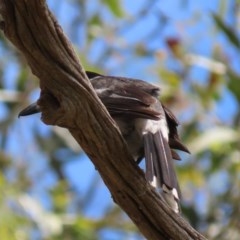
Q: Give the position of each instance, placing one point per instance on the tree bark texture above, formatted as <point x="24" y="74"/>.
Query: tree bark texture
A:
<point x="68" y="100"/>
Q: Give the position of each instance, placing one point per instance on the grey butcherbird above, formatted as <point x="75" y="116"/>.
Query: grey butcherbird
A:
<point x="148" y="127"/>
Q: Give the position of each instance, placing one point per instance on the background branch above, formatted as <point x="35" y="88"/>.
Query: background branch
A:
<point x="68" y="100"/>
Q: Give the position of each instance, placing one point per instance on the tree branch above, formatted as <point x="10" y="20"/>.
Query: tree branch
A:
<point x="68" y="100"/>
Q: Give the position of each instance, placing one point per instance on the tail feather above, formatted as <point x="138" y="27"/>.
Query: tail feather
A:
<point x="160" y="170"/>
<point x="165" y="162"/>
<point x="150" y="156"/>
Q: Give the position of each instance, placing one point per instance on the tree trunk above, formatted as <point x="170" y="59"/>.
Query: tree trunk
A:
<point x="68" y="100"/>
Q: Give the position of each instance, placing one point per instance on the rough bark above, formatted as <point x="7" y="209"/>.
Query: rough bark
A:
<point x="68" y="100"/>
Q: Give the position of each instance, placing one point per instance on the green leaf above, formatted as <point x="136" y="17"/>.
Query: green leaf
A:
<point x="21" y="81"/>
<point x="95" y="20"/>
<point x="217" y="136"/>
<point x="234" y="84"/>
<point x="231" y="35"/>
<point x="170" y="77"/>
<point x="114" y="6"/>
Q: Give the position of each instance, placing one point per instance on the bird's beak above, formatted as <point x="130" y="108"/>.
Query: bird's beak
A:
<point x="31" y="109"/>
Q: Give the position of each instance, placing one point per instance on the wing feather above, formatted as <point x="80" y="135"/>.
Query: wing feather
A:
<point x="129" y="101"/>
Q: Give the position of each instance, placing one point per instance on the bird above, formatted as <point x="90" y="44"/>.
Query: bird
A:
<point x="148" y="127"/>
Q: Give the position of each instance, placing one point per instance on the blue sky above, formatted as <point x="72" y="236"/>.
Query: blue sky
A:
<point x="80" y="173"/>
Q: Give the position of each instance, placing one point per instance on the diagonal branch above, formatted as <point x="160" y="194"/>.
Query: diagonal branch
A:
<point x="68" y="100"/>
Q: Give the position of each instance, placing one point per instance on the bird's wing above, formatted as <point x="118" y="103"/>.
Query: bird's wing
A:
<point x="129" y="101"/>
<point x="174" y="140"/>
<point x="134" y="99"/>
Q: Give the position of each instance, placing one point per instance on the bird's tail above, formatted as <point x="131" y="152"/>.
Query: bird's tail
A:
<point x="160" y="170"/>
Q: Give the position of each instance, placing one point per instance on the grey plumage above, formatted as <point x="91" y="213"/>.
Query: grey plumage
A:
<point x="148" y="127"/>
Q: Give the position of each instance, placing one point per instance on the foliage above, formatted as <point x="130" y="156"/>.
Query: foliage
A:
<point x="49" y="190"/>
